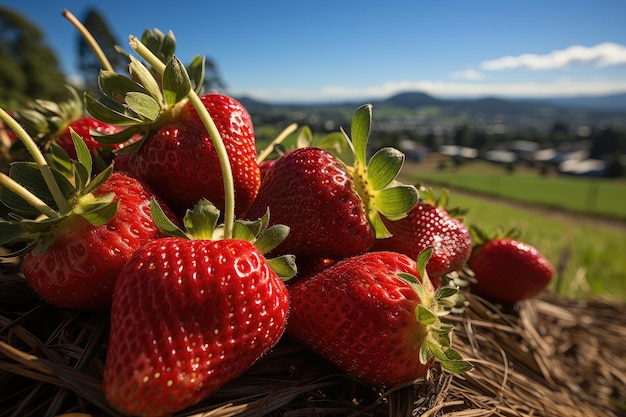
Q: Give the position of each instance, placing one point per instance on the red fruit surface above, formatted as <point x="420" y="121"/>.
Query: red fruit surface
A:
<point x="82" y="127"/>
<point x="361" y="317"/>
<point x="180" y="163"/>
<point x="81" y="267"/>
<point x="310" y="191"/>
<point x="507" y="270"/>
<point x="426" y="226"/>
<point x="187" y="317"/>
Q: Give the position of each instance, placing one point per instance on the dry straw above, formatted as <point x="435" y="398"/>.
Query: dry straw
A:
<point x="545" y="357"/>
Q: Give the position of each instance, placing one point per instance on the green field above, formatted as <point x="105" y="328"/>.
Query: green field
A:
<point x="588" y="253"/>
<point x="598" y="196"/>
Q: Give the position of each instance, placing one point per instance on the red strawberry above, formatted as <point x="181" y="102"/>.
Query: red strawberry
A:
<point x="370" y="316"/>
<point x="78" y="234"/>
<point x="333" y="208"/>
<point x="508" y="270"/>
<point x="187" y="317"/>
<point x="182" y="152"/>
<point x="429" y="224"/>
<point x="81" y="266"/>
<point x="50" y="122"/>
<point x="176" y="155"/>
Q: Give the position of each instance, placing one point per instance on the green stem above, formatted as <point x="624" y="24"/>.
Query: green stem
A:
<point x="214" y="134"/>
<point x="29" y="197"/>
<point x="89" y="38"/>
<point x="39" y="159"/>
<point x="281" y="137"/>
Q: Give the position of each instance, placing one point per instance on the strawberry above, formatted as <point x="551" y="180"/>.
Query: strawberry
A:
<point x="374" y="318"/>
<point x="508" y="270"/>
<point x="51" y="123"/>
<point x="190" y="314"/>
<point x="331" y="207"/>
<point x="78" y="235"/>
<point x="176" y="154"/>
<point x="430" y="224"/>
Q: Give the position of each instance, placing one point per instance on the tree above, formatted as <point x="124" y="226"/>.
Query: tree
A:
<point x="29" y="68"/>
<point x="88" y="62"/>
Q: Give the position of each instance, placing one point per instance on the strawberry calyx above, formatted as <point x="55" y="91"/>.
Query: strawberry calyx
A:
<point x="480" y="236"/>
<point x="201" y="223"/>
<point x="375" y="179"/>
<point x="149" y="97"/>
<point x="432" y="306"/>
<point x="429" y="196"/>
<point x="40" y="195"/>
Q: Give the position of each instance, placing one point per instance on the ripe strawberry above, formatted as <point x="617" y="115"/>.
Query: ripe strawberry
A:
<point x="371" y="317"/>
<point x="430" y="224"/>
<point x="51" y="123"/>
<point x="332" y="208"/>
<point x="81" y="266"/>
<point x="78" y="234"/>
<point x="508" y="270"/>
<point x="176" y="155"/>
<point x="188" y="316"/>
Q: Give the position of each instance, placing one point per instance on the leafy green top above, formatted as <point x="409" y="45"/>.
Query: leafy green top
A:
<point x="202" y="223"/>
<point x="432" y="306"/>
<point x="46" y="192"/>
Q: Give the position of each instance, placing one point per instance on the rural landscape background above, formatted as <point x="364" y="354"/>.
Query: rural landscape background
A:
<point x="553" y="167"/>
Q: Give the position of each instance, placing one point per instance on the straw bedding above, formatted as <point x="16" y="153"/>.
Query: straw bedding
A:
<point x="543" y="357"/>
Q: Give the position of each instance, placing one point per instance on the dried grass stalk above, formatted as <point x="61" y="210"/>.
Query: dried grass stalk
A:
<point x="546" y="357"/>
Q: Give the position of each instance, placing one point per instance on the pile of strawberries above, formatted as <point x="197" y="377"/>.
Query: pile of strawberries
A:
<point x="207" y="256"/>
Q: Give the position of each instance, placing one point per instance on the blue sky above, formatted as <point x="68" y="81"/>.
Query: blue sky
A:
<point x="330" y="50"/>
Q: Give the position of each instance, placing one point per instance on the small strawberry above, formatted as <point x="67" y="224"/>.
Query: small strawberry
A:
<point x="508" y="270"/>
<point x="176" y="155"/>
<point x="190" y="313"/>
<point x="430" y="224"/>
<point x="78" y="235"/>
<point x="374" y="318"/>
<point x="332" y="208"/>
<point x="51" y="123"/>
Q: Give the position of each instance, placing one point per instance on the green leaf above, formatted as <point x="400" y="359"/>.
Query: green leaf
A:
<point x="83" y="154"/>
<point x="424" y="315"/>
<point x="456" y="366"/>
<point x="360" y="131"/>
<point x="144" y="77"/>
<point x="10" y="232"/>
<point x="163" y="223"/>
<point x="144" y="105"/>
<point x="412" y="279"/>
<point x="425" y="354"/>
<point x="284" y="266"/>
<point x="116" y="86"/>
<point x="106" y="111"/>
<point x="304" y="138"/>
<point x="271" y="237"/>
<point x="98" y="179"/>
<point x="29" y="176"/>
<point x="99" y="214"/>
<point x="422" y="260"/>
<point x="195" y="69"/>
<point x="114" y="138"/>
<point x="202" y="220"/>
<point x="395" y="202"/>
<point x="176" y="82"/>
<point x="445" y="292"/>
<point x="380" y="230"/>
<point x="384" y="167"/>
<point x="245" y="230"/>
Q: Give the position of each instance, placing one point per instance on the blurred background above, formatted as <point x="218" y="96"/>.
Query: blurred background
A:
<point x="518" y="108"/>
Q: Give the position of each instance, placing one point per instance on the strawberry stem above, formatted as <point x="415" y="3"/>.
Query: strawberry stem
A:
<point x="209" y="124"/>
<point x="29" y="197"/>
<point x="39" y="159"/>
<point x="89" y="38"/>
<point x="281" y="137"/>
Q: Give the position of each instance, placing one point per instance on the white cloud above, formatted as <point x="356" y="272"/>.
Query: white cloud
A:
<point x="602" y="55"/>
<point x="469" y="74"/>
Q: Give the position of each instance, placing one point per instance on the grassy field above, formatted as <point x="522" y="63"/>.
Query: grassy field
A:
<point x="588" y="253"/>
<point x="598" y="196"/>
